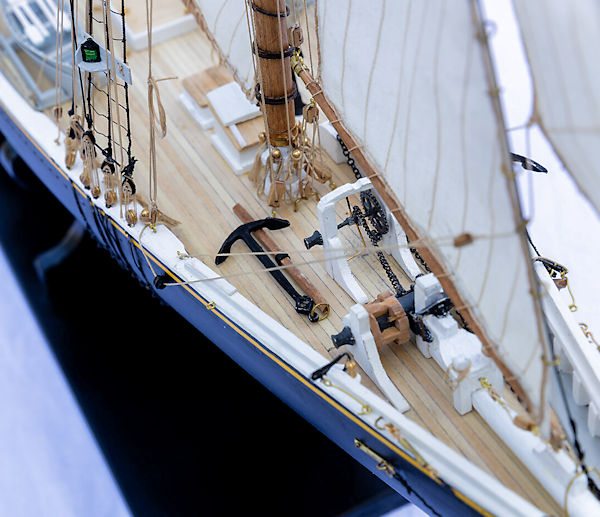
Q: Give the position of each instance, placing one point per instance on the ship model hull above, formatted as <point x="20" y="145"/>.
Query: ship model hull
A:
<point x="429" y="316"/>
<point x="295" y="389"/>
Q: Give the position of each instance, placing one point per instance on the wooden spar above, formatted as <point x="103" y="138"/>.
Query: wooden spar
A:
<point x="270" y="20"/>
<point x="511" y="183"/>
<point x="435" y="264"/>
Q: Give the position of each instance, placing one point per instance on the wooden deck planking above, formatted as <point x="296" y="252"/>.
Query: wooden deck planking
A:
<point x="164" y="11"/>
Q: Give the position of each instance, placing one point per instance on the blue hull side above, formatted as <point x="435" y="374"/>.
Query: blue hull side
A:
<point x="297" y="391"/>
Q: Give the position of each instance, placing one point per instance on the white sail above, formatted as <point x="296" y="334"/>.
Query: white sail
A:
<point x="409" y="81"/>
<point x="562" y="40"/>
<point x="226" y="25"/>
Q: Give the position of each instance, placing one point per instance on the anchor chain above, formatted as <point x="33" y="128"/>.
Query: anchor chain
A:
<point x="352" y="164"/>
<point x="349" y="160"/>
<point x="374" y="212"/>
<point x="417" y="255"/>
<point x="375" y="237"/>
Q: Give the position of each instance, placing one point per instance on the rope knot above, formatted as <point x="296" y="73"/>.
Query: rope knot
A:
<point x="158" y="122"/>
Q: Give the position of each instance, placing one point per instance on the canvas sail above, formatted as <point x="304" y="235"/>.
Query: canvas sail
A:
<point x="562" y="40"/>
<point x="409" y="81"/>
<point x="225" y="23"/>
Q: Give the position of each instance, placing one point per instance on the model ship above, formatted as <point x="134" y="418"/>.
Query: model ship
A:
<point x="326" y="191"/>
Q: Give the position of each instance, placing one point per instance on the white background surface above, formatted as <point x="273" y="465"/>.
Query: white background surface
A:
<point x="50" y="464"/>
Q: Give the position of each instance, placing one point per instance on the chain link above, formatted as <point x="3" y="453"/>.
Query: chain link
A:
<point x="375" y="236"/>
<point x="464" y="323"/>
<point x="352" y="164"/>
<point x="417" y="255"/>
<point x="349" y="160"/>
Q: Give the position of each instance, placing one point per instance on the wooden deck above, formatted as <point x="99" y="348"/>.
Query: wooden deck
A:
<point x="198" y="188"/>
<point x="164" y="12"/>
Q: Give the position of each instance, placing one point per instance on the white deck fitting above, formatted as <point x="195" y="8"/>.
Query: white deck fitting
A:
<point x="239" y="161"/>
<point x="367" y="355"/>
<point x="204" y="116"/>
<point x="395" y="243"/>
<point x="555" y="470"/>
<point x="139" y="40"/>
<point x="329" y="142"/>
<point x="337" y="265"/>
<point x="454" y="349"/>
<point x="231" y="107"/>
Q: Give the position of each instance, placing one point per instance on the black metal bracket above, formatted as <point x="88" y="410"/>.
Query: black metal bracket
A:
<point x="160" y="281"/>
<point x="271" y="13"/>
<point x="274" y="101"/>
<point x="439" y="308"/>
<point x="267" y="54"/>
<point x="527" y="163"/>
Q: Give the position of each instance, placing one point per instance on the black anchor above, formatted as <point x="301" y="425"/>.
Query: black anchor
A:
<point x="304" y="304"/>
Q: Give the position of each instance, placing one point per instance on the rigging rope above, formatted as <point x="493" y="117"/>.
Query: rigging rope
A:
<point x="108" y="151"/>
<point x="310" y="54"/>
<point x="344" y="253"/>
<point x="59" y="63"/>
<point x="105" y="122"/>
<point x="285" y="86"/>
<point x="113" y="114"/>
<point x="125" y="85"/>
<point x="90" y="30"/>
<point x="73" y="51"/>
<point x="158" y="122"/>
<point x="112" y="74"/>
<point x="362" y="250"/>
<point x="250" y="17"/>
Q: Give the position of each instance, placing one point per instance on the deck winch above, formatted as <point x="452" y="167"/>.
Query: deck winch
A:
<point x="390" y="315"/>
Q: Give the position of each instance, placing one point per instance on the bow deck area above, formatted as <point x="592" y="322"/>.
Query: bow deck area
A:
<point x="198" y="188"/>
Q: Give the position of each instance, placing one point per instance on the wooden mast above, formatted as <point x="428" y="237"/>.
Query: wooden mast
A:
<point x="278" y="89"/>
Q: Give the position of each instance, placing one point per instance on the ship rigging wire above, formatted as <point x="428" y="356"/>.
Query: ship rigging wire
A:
<point x="59" y="63"/>
<point x="113" y="105"/>
<point x="344" y="253"/>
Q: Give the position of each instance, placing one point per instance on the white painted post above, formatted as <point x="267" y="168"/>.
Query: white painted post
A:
<point x="367" y="355"/>
<point x="337" y="265"/>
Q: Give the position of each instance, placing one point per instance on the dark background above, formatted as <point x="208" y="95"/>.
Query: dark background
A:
<point x="184" y="430"/>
